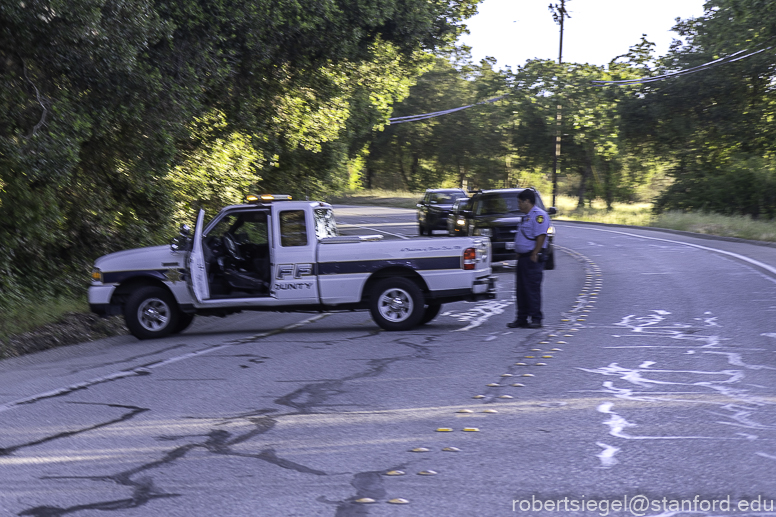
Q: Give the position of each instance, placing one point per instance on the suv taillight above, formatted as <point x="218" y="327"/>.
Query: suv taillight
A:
<point x="469" y="258"/>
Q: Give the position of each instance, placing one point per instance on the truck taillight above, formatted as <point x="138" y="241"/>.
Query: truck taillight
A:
<point x="469" y="258"/>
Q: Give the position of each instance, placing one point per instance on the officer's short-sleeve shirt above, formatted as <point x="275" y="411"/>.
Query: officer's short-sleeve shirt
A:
<point x="534" y="223"/>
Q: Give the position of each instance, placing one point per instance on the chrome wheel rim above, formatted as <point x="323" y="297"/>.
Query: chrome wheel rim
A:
<point x="153" y="314"/>
<point x="395" y="305"/>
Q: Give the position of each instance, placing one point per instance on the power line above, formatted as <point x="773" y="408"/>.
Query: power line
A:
<point x="424" y="116"/>
<point x="706" y="66"/>
<point x="736" y="56"/>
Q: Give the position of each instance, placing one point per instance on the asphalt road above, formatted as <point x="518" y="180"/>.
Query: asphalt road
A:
<point x="650" y="391"/>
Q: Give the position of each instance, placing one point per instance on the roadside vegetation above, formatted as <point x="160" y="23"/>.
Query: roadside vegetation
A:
<point x="27" y="315"/>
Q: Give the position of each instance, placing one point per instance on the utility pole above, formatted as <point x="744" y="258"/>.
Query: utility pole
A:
<point x="559" y="13"/>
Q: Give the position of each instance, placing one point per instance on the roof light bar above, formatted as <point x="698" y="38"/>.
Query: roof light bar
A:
<point x="266" y="198"/>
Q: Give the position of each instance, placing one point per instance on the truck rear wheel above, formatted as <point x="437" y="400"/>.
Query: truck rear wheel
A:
<point x="151" y="312"/>
<point x="396" y="304"/>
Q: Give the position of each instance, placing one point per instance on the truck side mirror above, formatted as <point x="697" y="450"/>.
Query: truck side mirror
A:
<point x="177" y="244"/>
<point x="182" y="242"/>
<point x="552" y="211"/>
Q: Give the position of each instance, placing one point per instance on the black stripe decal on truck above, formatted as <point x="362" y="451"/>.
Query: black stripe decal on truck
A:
<point x="117" y="277"/>
<point x="369" y="266"/>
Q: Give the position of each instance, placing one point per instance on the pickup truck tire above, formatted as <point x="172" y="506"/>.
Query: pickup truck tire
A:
<point x="421" y="229"/>
<point x="151" y="312"/>
<point x="430" y="312"/>
<point x="396" y="304"/>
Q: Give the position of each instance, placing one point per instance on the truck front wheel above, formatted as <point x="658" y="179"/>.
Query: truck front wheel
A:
<point x="151" y="312"/>
<point x="396" y="304"/>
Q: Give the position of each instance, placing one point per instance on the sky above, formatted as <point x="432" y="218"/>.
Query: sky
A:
<point x="514" y="31"/>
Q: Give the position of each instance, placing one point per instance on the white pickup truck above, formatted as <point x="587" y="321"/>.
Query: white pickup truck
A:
<point x="274" y="254"/>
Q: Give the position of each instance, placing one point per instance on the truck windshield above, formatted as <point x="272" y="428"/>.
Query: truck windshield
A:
<point x="495" y="204"/>
<point x="439" y="198"/>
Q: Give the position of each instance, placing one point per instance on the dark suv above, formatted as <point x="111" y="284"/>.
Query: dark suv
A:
<point x="495" y="214"/>
<point x="434" y="208"/>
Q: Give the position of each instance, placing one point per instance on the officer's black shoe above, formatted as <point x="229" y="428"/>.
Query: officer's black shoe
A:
<point x="518" y="324"/>
<point x="535" y="325"/>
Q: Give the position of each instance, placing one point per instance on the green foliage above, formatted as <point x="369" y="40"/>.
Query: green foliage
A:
<point x="103" y="105"/>
<point x="217" y="171"/>
<point x="551" y="98"/>
<point x="511" y="141"/>
<point x="737" y="186"/>
<point x="446" y="150"/>
<point x="715" y="129"/>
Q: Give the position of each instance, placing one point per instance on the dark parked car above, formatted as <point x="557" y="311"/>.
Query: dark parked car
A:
<point x="495" y="214"/>
<point x="456" y="219"/>
<point x="434" y="207"/>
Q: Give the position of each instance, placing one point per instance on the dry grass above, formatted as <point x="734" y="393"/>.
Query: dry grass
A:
<point x="394" y="198"/>
<point x="640" y="214"/>
<point x="742" y="227"/>
<point x="26" y="316"/>
<point x="636" y="214"/>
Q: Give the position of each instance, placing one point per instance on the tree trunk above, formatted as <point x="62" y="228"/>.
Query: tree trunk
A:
<point x="461" y="171"/>
<point x="368" y="175"/>
<point x="586" y="172"/>
<point x="415" y="166"/>
<point x="402" y="170"/>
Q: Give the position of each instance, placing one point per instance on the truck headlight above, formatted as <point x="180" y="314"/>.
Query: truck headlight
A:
<point x="551" y="231"/>
<point x="460" y="222"/>
<point x="96" y="275"/>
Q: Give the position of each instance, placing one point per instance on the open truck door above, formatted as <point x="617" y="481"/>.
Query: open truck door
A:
<point x="197" y="267"/>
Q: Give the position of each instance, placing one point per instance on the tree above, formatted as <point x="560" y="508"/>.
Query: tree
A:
<point x="715" y="128"/>
<point x="467" y="144"/>
<point x="591" y="144"/>
<point x="100" y="100"/>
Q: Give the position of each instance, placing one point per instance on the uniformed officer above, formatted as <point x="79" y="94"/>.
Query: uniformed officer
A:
<point x="530" y="245"/>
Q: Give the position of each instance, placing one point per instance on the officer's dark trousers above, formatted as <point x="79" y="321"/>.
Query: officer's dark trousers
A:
<point x="529" y="288"/>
